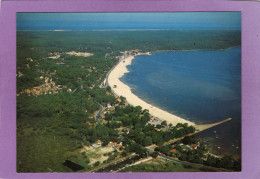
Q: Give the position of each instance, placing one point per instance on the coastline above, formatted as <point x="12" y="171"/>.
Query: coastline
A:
<point x="180" y="50"/>
<point x="122" y="89"/>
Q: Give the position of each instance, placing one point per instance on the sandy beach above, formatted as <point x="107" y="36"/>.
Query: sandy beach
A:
<point x="124" y="90"/>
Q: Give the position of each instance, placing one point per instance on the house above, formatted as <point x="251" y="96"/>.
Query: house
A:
<point x="118" y="146"/>
<point x="112" y="144"/>
<point x="99" y="142"/>
<point x="127" y="131"/>
<point x="193" y="146"/>
<point x="173" y="150"/>
<point x="27" y="91"/>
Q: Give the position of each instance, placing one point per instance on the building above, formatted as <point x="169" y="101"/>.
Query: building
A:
<point x="112" y="144"/>
<point x="99" y="142"/>
<point x="173" y="150"/>
<point x="193" y="146"/>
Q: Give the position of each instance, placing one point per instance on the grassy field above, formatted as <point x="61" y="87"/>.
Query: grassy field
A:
<point x="38" y="149"/>
<point x="161" y="165"/>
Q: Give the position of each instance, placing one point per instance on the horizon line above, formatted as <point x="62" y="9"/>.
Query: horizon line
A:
<point x="60" y="30"/>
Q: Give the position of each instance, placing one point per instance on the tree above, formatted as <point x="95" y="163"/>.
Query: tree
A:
<point x="164" y="123"/>
<point x="227" y="162"/>
<point x="165" y="149"/>
<point x="178" y="148"/>
<point x="105" y="141"/>
<point x="202" y="146"/>
<point x="183" y="157"/>
<point x="128" y="109"/>
<point x="123" y="154"/>
<point x="148" y="128"/>
<point x="138" y="109"/>
<point x="147" y="141"/>
<point x="189" y="140"/>
<point x="108" y="116"/>
<point x="177" y="154"/>
<point x="145" y="111"/>
<point x="155" y="154"/>
<point x="190" y="158"/>
<point x="122" y="98"/>
<point x="211" y="161"/>
<point x="157" y="139"/>
<point x="126" y="121"/>
<point x="166" y="136"/>
<point x="96" y="164"/>
<point x="137" y="148"/>
<point x="139" y="137"/>
<point x="237" y="165"/>
<point x="108" y="89"/>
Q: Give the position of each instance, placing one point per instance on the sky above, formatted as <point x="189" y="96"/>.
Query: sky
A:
<point x="107" y="21"/>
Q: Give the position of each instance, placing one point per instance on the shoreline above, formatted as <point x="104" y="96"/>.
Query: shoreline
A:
<point x="124" y="90"/>
<point x="121" y="89"/>
<point x="180" y="50"/>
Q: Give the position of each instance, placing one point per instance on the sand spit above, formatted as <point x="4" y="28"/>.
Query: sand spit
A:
<point x="121" y="89"/>
<point x="202" y="127"/>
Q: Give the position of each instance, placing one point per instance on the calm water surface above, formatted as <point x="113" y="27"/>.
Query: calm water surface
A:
<point x="202" y="86"/>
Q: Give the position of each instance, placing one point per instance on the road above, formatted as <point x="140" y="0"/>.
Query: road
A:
<point x="108" y="164"/>
<point x="98" y="113"/>
<point x="136" y="163"/>
<point x="120" y="59"/>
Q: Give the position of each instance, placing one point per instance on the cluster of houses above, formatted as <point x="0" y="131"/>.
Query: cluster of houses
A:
<point x="154" y="121"/>
<point x="56" y="55"/>
<point x="49" y="87"/>
<point x="184" y="147"/>
<point x="112" y="107"/>
<point x="83" y="54"/>
<point x="131" y="52"/>
<point x="114" y="145"/>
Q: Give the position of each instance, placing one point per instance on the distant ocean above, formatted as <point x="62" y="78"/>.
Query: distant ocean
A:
<point x="202" y="86"/>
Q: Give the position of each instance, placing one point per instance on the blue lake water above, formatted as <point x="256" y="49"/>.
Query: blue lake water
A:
<point x="202" y="86"/>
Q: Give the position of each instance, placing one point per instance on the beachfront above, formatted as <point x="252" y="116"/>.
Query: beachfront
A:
<point x="121" y="89"/>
